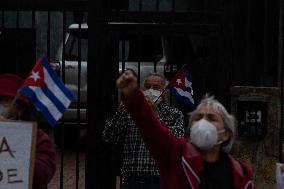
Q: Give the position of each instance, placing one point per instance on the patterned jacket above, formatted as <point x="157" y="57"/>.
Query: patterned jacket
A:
<point x="137" y="161"/>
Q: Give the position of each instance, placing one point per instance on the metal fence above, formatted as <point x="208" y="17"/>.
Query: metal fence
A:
<point x="26" y="33"/>
<point x="93" y="43"/>
<point x="165" y="34"/>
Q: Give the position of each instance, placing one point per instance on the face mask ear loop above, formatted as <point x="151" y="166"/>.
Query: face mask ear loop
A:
<point x="221" y="131"/>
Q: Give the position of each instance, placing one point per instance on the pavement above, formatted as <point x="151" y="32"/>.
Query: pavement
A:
<point x="69" y="170"/>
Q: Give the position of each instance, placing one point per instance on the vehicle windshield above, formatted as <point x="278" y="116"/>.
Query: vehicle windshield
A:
<point x="72" y="44"/>
<point x="145" y="48"/>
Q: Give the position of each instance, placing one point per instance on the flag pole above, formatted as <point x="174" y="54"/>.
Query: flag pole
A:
<point x="164" y="90"/>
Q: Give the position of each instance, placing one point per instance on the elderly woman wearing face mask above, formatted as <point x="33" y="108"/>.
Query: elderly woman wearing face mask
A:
<point x="12" y="109"/>
<point x="201" y="161"/>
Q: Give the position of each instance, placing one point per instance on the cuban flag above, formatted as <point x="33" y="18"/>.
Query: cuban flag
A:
<point x="181" y="86"/>
<point x="46" y="91"/>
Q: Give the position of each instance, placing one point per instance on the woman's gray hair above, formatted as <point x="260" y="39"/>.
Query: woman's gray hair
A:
<point x="164" y="80"/>
<point x="228" y="119"/>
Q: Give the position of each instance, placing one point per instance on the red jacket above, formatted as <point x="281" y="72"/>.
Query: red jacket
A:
<point x="180" y="163"/>
<point x="45" y="161"/>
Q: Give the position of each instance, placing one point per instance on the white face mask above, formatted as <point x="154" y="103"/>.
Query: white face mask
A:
<point x="204" y="134"/>
<point x="153" y="95"/>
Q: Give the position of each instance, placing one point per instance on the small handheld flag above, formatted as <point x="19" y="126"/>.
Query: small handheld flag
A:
<point x="181" y="86"/>
<point x="46" y="91"/>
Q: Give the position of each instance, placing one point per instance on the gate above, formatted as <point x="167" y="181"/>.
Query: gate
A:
<point x="28" y="29"/>
<point x="222" y="42"/>
<point x="166" y="33"/>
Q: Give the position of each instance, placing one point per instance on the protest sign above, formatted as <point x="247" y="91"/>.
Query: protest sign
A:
<point x="17" y="151"/>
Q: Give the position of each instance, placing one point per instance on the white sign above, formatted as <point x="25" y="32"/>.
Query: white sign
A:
<point x="17" y="150"/>
<point x="279" y="177"/>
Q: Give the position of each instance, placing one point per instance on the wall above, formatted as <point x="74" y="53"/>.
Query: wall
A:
<point x="260" y="153"/>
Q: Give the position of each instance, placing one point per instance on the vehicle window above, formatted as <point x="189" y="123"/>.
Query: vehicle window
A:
<point x="145" y="48"/>
<point x="71" y="47"/>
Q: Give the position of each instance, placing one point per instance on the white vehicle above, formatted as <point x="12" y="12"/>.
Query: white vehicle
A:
<point x="150" y="50"/>
<point x="149" y="57"/>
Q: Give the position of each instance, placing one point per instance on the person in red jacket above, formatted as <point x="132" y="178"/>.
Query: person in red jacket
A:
<point x="45" y="156"/>
<point x="201" y="161"/>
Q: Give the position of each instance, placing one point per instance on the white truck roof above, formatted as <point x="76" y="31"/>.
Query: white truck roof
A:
<point x="76" y="26"/>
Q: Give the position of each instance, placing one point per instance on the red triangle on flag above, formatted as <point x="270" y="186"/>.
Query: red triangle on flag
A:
<point x="179" y="80"/>
<point x="36" y="76"/>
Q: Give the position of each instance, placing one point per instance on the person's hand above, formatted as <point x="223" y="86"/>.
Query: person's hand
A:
<point x="55" y="66"/>
<point x="126" y="84"/>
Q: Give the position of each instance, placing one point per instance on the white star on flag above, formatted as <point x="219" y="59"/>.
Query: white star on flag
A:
<point x="181" y="86"/>
<point x="35" y="76"/>
<point x="179" y="81"/>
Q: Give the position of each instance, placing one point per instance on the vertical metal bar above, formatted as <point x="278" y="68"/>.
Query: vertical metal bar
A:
<point x="140" y="5"/>
<point x="97" y="75"/>
<point x="265" y="45"/>
<point x="205" y="11"/>
<point x="172" y="62"/>
<point x="230" y="7"/>
<point x="139" y="56"/>
<point x="126" y="5"/>
<point x="108" y="9"/>
<point x="78" y="105"/>
<point x="33" y="19"/>
<point x="64" y="31"/>
<point x="173" y="13"/>
<point x="48" y="35"/>
<point x="280" y="75"/>
<point x="248" y="46"/>
<point x="123" y="54"/>
<point x="157" y="6"/>
<point x="173" y="6"/>
<point x="63" y="79"/>
<point x="155" y="52"/>
<point x="18" y="42"/>
<point x="3" y="20"/>
<point x="17" y="19"/>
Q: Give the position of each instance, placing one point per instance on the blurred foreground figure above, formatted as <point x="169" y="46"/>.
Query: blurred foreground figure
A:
<point x="45" y="157"/>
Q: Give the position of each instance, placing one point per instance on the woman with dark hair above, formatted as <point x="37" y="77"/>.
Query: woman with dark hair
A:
<point x="45" y="156"/>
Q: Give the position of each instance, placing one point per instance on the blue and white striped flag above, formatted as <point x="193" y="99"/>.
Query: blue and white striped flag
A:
<point x="181" y="86"/>
<point x="46" y="91"/>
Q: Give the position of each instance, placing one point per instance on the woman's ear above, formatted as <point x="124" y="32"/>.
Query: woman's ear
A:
<point x="225" y="136"/>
